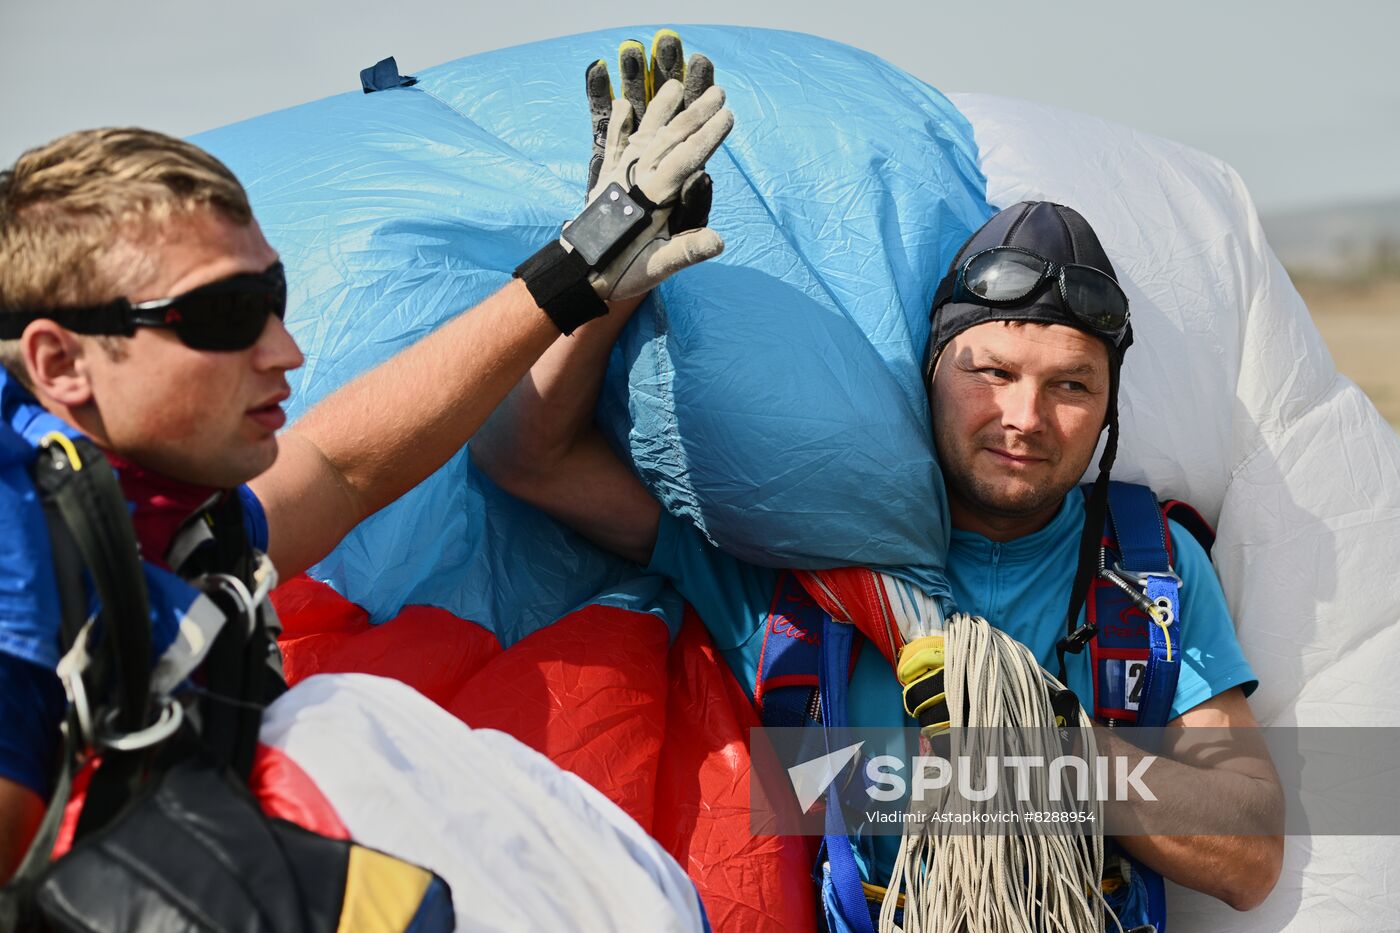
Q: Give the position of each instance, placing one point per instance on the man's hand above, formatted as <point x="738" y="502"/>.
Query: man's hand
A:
<point x="542" y="445"/>
<point x="640" y="80"/>
<point x="1207" y="785"/>
<point x="656" y="139"/>
<point x="649" y="196"/>
<point x="21" y="811"/>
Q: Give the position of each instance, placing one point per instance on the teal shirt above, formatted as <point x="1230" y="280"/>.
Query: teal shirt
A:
<point x="1020" y="586"/>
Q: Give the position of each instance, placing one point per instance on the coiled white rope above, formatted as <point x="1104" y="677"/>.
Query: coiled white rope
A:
<point x="1000" y="878"/>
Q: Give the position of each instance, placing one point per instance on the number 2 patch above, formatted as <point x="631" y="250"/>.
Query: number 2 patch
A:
<point x="1120" y="686"/>
<point x="1134" y="672"/>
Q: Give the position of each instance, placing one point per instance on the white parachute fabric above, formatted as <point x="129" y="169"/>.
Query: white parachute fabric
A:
<point x="523" y="844"/>
<point x="1231" y="402"/>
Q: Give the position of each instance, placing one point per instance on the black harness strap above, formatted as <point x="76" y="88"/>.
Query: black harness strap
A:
<point x="86" y="498"/>
<point x="1095" y="513"/>
<point x="92" y="539"/>
<point x="85" y="495"/>
<point x="237" y="678"/>
<point x="68" y="575"/>
<point x="90" y="529"/>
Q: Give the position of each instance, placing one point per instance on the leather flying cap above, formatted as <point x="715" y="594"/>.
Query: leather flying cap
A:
<point x="1051" y="231"/>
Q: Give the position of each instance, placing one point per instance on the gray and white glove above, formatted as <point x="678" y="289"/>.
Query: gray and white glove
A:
<point x="640" y="80"/>
<point x="649" y="157"/>
<point x="664" y="160"/>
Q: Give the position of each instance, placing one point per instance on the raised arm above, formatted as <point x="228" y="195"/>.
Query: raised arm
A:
<point x="381" y="435"/>
<point x="541" y="445"/>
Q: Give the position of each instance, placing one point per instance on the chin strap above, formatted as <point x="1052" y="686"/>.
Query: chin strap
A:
<point x="1095" y="512"/>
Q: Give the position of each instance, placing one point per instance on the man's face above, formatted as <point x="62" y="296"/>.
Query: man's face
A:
<point x="1017" y="412"/>
<point x="200" y="416"/>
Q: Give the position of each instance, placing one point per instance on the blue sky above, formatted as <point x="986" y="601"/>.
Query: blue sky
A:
<point x="1303" y="98"/>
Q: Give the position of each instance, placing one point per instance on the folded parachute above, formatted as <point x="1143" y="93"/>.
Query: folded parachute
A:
<point x="772" y="396"/>
<point x="662" y="733"/>
<point x="395" y="210"/>
<point x="508" y="830"/>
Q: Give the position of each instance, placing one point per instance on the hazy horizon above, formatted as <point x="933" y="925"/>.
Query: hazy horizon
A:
<point x="1304" y="104"/>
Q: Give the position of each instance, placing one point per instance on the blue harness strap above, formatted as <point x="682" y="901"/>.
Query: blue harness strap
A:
<point x="1164" y="661"/>
<point x="806" y="657"/>
<point x="1138" y="527"/>
<point x="845" y="874"/>
<point x="790" y="657"/>
<point x="1136" y="651"/>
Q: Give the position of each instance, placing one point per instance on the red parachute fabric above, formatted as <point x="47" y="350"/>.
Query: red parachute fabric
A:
<point x="286" y="792"/>
<point x="703" y="790"/>
<point x="662" y="732"/>
<point x="589" y="692"/>
<point x="856" y="595"/>
<point x="428" y="649"/>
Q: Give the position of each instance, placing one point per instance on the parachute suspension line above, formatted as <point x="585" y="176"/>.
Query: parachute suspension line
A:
<point x="989" y="877"/>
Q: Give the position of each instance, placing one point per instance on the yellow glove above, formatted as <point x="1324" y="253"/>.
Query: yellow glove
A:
<point x="920" y="671"/>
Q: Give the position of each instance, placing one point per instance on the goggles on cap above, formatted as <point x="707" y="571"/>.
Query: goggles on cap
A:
<point x="228" y="314"/>
<point x="1004" y="276"/>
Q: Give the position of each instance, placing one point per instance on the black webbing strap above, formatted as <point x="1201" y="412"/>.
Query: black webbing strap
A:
<point x="1095" y="514"/>
<point x="76" y="481"/>
<point x="89" y="528"/>
<point x="71" y="579"/>
<point x="1077" y="636"/>
<point x="237" y="678"/>
<point x="557" y="279"/>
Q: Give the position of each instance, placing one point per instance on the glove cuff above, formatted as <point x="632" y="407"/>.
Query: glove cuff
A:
<point x="557" y="279"/>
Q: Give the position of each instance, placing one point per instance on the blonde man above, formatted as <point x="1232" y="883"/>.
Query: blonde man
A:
<point x="142" y="308"/>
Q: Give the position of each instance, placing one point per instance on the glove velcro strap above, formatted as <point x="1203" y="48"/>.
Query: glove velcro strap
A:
<point x="558" y="281"/>
<point x="636" y="194"/>
<point x="926" y="700"/>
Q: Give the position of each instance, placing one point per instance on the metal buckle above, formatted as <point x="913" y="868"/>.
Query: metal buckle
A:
<point x="1138" y="594"/>
<point x="1075" y="641"/>
<point x="1140" y="576"/>
<point x="244" y="602"/>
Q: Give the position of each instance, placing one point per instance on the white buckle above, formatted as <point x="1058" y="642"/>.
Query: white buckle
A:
<point x="171" y="715"/>
<point x="70" y="670"/>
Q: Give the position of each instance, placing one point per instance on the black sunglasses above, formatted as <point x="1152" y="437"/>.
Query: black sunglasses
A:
<point x="1008" y="275"/>
<point x="228" y="314"/>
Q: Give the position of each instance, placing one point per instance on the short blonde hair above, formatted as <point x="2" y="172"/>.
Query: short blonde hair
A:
<point x="74" y="213"/>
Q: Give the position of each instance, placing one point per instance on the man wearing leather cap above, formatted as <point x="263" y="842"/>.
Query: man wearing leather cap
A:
<point x="1029" y="332"/>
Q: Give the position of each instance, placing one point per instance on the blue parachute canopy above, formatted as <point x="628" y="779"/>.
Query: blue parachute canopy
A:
<point x="772" y="396"/>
